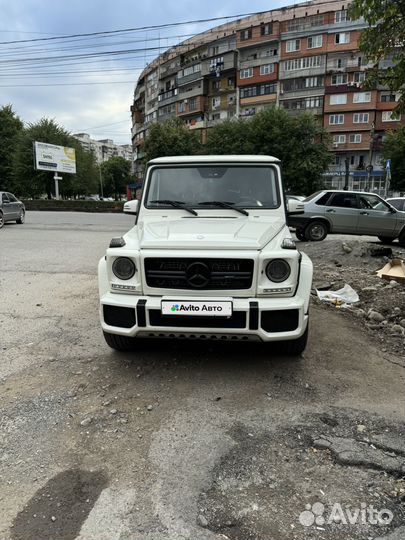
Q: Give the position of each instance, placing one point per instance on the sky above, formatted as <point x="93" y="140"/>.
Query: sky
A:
<point x="93" y="94"/>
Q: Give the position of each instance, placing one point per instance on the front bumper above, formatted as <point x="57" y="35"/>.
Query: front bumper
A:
<point x="262" y="319"/>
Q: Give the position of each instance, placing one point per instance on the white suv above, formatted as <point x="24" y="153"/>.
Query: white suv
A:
<point x="210" y="257"/>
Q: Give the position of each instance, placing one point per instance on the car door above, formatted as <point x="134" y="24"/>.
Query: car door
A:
<point x="7" y="207"/>
<point x="343" y="212"/>
<point x="376" y="218"/>
<point x="14" y="206"/>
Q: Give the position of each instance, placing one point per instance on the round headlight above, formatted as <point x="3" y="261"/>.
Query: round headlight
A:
<point x="278" y="270"/>
<point x="123" y="268"/>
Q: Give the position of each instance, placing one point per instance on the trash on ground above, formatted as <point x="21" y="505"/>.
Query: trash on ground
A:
<point x="340" y="298"/>
<point x="380" y="251"/>
<point x="393" y="270"/>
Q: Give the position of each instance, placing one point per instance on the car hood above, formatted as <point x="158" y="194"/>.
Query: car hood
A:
<point x="210" y="233"/>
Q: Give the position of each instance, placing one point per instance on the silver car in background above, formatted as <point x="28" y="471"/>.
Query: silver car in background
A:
<point x="11" y="209"/>
<point x="348" y="212"/>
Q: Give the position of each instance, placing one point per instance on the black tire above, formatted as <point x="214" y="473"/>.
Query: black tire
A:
<point x="316" y="231"/>
<point x="300" y="234"/>
<point x="401" y="239"/>
<point x="21" y="219"/>
<point x="293" y="347"/>
<point x="1" y="220"/>
<point x="119" y="343"/>
<point x="386" y="239"/>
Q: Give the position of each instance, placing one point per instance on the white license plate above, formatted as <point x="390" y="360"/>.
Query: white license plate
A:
<point x="201" y="308"/>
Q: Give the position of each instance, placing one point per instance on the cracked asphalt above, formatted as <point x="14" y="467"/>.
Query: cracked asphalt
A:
<point x="182" y="440"/>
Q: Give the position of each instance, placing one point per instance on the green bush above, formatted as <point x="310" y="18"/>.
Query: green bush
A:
<point x="74" y="206"/>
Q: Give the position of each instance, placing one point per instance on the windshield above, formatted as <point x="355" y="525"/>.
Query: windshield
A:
<point x="239" y="186"/>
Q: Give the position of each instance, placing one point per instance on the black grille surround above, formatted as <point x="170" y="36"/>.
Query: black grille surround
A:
<point x="199" y="274"/>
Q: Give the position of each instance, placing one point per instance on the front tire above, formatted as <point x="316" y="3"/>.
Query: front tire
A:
<point x="386" y="239"/>
<point x="294" y="347"/>
<point x="21" y="219"/>
<point x="119" y="343"/>
<point x="316" y="231"/>
<point x="1" y="219"/>
<point x="300" y="234"/>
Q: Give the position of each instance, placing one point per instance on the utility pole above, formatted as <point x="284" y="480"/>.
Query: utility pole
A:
<point x="101" y="182"/>
<point x="369" y="167"/>
<point x="347" y="172"/>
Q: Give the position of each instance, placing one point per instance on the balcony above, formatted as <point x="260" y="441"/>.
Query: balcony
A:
<point x="166" y="98"/>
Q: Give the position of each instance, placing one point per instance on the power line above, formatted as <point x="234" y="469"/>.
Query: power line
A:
<point x="136" y="29"/>
<point x="65" y="84"/>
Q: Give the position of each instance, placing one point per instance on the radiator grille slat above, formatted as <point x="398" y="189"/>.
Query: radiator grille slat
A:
<point x="199" y="273"/>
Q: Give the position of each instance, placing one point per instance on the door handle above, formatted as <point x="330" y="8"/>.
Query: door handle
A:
<point x="331" y="210"/>
<point x="364" y="213"/>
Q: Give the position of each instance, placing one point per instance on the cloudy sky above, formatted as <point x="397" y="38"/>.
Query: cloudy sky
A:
<point x="93" y="93"/>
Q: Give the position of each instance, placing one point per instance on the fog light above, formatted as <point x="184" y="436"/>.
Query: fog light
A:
<point x="278" y="270"/>
<point x="123" y="268"/>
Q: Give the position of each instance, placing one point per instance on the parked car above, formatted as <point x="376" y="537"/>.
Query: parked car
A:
<point x="348" y="212"/>
<point x="11" y="209"/>
<point x="209" y="257"/>
<point x="398" y="203"/>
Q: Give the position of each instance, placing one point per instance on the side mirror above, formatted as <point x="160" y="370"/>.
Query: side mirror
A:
<point x="131" y="207"/>
<point x="295" y="207"/>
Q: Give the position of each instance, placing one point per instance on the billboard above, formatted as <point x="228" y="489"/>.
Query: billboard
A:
<point x="49" y="157"/>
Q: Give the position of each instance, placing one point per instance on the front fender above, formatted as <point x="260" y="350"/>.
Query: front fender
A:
<point x="103" y="285"/>
<point x="305" y="284"/>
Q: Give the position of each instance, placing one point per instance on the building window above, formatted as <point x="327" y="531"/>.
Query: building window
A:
<point x="231" y="82"/>
<point x="266" y="29"/>
<point x="250" y="91"/>
<point x="339" y="78"/>
<point x="314" y="42"/>
<point x="216" y="116"/>
<point x="246" y="73"/>
<point x="216" y="102"/>
<point x="338" y="99"/>
<point x="190" y="70"/>
<point x="359" y="77"/>
<point x="216" y="85"/>
<point x="266" y="69"/>
<point x="231" y="99"/>
<point x="341" y="38"/>
<point x="266" y="89"/>
<point x="388" y="116"/>
<point x="341" y="16"/>
<point x="336" y="119"/>
<point x="302" y="63"/>
<point x="339" y="139"/>
<point x="311" y="82"/>
<point x="246" y="34"/>
<point x="293" y="45"/>
<point x="192" y="104"/>
<point x="355" y="138"/>
<point x="362" y="97"/>
<point x="388" y="98"/>
<point x="182" y="106"/>
<point x="340" y="63"/>
<point x="360" y="118"/>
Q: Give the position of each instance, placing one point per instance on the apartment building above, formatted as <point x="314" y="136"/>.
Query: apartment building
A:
<point x="304" y="58"/>
<point x="104" y="149"/>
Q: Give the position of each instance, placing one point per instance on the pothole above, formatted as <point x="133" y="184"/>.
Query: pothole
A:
<point x="280" y="486"/>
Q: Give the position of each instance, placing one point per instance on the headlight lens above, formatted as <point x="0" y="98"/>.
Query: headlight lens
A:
<point x="278" y="270"/>
<point x="123" y="268"/>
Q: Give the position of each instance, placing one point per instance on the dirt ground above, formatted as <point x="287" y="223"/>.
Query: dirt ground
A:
<point x="353" y="260"/>
<point x="201" y="441"/>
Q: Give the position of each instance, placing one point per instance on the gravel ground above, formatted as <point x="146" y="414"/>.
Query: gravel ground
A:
<point x="179" y="441"/>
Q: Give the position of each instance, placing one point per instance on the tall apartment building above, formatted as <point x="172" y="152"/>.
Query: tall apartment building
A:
<point x="303" y="58"/>
<point x="104" y="149"/>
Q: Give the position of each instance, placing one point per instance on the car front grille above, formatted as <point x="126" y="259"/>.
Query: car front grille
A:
<point x="199" y="273"/>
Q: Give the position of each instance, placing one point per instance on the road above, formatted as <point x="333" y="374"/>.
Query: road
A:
<point x="178" y="440"/>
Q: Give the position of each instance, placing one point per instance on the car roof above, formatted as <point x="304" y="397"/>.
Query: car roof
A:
<point x="214" y="159"/>
<point x="344" y="191"/>
<point x="395" y="198"/>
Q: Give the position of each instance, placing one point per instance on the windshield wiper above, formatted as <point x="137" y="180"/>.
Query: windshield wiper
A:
<point x="223" y="204"/>
<point x="176" y="204"/>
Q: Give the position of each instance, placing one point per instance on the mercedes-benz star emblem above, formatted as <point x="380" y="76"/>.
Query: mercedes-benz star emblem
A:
<point x="198" y="275"/>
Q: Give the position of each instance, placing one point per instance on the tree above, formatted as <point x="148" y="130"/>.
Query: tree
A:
<point x="30" y="182"/>
<point x="171" y="138"/>
<point x="299" y="142"/>
<point x="384" y="38"/>
<point x="394" y="149"/>
<point x="10" y="130"/>
<point x="116" y="176"/>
